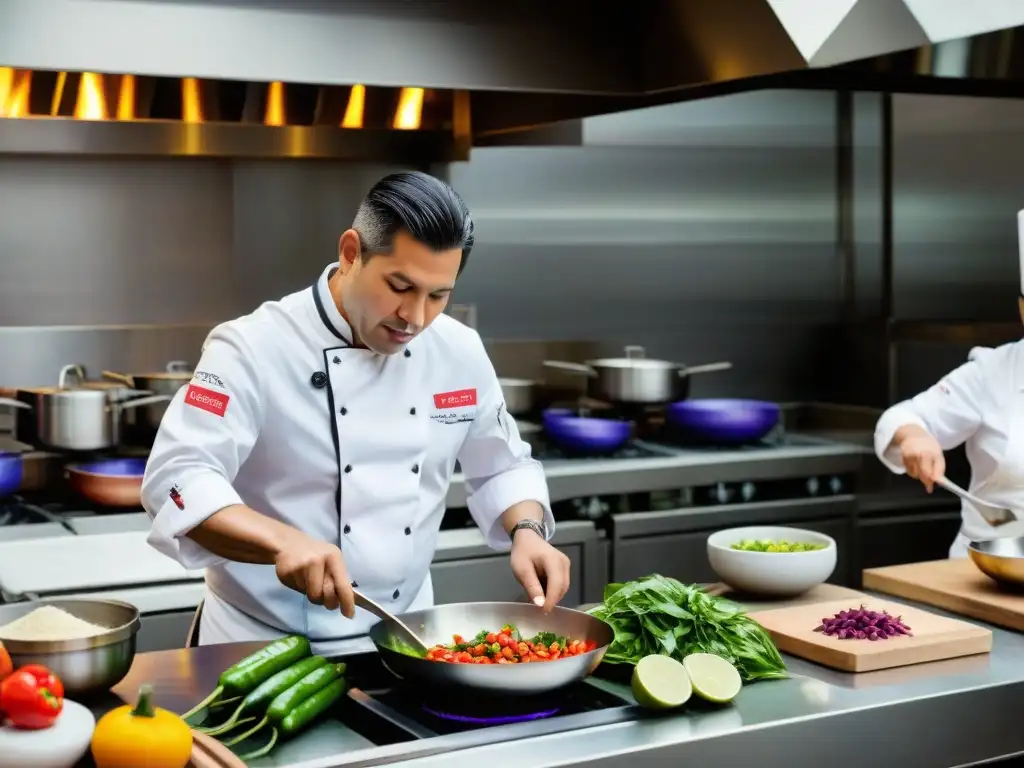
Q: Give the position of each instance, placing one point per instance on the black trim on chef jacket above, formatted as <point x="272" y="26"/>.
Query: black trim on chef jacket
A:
<point x="314" y="379"/>
<point x="331" y="413"/>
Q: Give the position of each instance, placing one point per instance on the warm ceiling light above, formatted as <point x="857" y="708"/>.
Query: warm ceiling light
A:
<point x="356" y="105"/>
<point x="91" y="103"/>
<point x="126" y="98"/>
<point x="275" y="104"/>
<point x="15" y="86"/>
<point x="410" y="109"/>
<point x="191" y="103"/>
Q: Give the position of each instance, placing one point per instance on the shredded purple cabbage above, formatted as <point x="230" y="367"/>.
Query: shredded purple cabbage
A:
<point x="862" y="624"/>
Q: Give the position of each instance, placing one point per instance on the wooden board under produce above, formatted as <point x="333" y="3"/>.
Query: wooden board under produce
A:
<point x="934" y="637"/>
<point x="954" y="585"/>
<point x="823" y="593"/>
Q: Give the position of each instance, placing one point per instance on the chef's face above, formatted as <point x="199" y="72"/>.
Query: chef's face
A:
<point x="389" y="298"/>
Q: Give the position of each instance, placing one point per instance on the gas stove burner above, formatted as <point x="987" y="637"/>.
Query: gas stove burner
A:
<point x="498" y="720"/>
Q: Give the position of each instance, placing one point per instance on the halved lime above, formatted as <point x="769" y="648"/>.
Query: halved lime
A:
<point x="712" y="677"/>
<point x="660" y="682"/>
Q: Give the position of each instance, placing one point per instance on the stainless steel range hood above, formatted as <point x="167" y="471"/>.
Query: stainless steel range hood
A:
<point x="420" y="80"/>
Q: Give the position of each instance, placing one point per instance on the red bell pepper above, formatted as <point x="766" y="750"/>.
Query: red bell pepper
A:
<point x="32" y="697"/>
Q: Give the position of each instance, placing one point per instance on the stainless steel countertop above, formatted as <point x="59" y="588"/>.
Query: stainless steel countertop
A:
<point x="946" y="713"/>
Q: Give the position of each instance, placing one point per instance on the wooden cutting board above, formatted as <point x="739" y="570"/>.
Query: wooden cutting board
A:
<point x="207" y="752"/>
<point x="934" y="637"/>
<point x="823" y="593"/>
<point x="954" y="585"/>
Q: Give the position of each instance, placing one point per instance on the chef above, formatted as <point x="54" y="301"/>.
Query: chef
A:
<point x="981" y="404"/>
<point x="312" y="451"/>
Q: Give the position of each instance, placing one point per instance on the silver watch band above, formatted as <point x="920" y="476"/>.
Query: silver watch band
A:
<point x="537" y="527"/>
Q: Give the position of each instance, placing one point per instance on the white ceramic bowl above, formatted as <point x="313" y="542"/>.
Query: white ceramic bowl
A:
<point x="774" y="574"/>
<point x="60" y="746"/>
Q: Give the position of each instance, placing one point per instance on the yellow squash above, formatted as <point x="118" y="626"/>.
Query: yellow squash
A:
<point x="143" y="735"/>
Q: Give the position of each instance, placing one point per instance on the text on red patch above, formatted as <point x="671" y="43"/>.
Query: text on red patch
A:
<point x="460" y="398"/>
<point x="207" y="400"/>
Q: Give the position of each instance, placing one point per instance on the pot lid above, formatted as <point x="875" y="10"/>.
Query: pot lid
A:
<point x="634" y="364"/>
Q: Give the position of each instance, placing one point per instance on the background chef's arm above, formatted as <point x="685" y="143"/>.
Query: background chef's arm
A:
<point x="505" y="483"/>
<point x="951" y="411"/>
<point x="198" y="450"/>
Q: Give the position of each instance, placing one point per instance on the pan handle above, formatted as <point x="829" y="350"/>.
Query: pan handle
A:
<point x="9" y="402"/>
<point x="578" y="368"/>
<point x="128" y="381"/>
<point x="143" y="401"/>
<point x="706" y="368"/>
<point x="76" y="369"/>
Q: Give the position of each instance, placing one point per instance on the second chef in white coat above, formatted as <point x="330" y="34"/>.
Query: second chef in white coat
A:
<point x="313" y="449"/>
<point x="980" y="404"/>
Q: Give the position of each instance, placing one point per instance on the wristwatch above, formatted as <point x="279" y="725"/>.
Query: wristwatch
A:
<point x="533" y="525"/>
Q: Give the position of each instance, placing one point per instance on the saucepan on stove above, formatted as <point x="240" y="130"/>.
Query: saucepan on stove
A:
<point x="438" y="625"/>
<point x="636" y="378"/>
<point x="176" y="375"/>
<point x="519" y="394"/>
<point x="11" y="472"/>
<point x="69" y="417"/>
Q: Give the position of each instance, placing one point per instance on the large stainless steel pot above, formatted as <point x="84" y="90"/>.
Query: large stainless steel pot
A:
<point x="177" y="374"/>
<point x="69" y="418"/>
<point x="636" y="379"/>
<point x="519" y="395"/>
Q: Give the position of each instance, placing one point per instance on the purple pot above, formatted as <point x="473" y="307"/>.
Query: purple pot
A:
<point x="582" y="434"/>
<point x="724" y="421"/>
<point x="11" y="473"/>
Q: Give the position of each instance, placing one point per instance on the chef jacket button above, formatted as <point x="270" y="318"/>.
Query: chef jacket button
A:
<point x="394" y="595"/>
<point x="336" y="360"/>
<point x="355" y="585"/>
<point x="347" y="529"/>
<point x="344" y="410"/>
<point x="408" y="353"/>
<point x="412" y="411"/>
<point x="408" y="531"/>
<point x="318" y="379"/>
<point x="415" y="469"/>
<point x="348" y="468"/>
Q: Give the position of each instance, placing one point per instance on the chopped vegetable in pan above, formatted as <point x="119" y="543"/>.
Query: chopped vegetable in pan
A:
<point x="508" y="647"/>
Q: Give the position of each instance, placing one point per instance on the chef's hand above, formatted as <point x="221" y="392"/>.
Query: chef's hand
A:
<point x="535" y="561"/>
<point x="921" y="454"/>
<point x="317" y="569"/>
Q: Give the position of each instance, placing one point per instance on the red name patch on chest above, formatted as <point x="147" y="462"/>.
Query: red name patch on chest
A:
<point x="207" y="400"/>
<point x="461" y="398"/>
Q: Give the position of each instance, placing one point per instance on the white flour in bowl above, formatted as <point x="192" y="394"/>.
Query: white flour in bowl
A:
<point x="49" y="624"/>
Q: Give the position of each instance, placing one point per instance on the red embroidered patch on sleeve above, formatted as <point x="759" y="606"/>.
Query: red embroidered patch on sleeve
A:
<point x="207" y="400"/>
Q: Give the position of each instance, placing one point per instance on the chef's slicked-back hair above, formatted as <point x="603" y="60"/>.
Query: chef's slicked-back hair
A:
<point x="420" y="204"/>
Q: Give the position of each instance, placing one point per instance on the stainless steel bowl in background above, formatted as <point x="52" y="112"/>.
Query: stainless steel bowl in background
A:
<point x="88" y="665"/>
<point x="438" y="624"/>
<point x="1000" y="559"/>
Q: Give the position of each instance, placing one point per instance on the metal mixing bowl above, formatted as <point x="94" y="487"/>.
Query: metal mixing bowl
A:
<point x="1000" y="559"/>
<point x="438" y="624"/>
<point x="88" y="665"/>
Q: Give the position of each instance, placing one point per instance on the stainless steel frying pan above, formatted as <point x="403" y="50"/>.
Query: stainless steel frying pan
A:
<point x="438" y="624"/>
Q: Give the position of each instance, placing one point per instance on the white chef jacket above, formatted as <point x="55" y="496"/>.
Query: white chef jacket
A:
<point x="286" y="416"/>
<point x="981" y="404"/>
